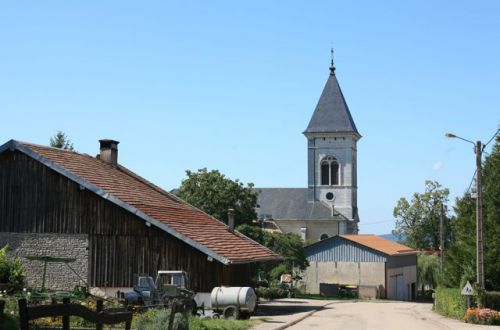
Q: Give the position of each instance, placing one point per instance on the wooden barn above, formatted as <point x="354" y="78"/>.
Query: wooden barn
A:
<point x="111" y="221"/>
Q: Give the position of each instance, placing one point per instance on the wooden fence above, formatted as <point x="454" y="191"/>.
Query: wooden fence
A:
<point x="67" y="309"/>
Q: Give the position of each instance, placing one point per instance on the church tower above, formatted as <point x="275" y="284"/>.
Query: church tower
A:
<point x="332" y="163"/>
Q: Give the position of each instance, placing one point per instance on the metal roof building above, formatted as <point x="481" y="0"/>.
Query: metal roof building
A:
<point x="377" y="266"/>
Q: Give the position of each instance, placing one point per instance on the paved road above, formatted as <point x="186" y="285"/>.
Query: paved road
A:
<point x="377" y="315"/>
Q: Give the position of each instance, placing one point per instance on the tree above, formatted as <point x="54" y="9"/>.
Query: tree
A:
<point x="460" y="263"/>
<point x="214" y="193"/>
<point x="417" y="222"/>
<point x="290" y="246"/>
<point x="61" y="141"/>
<point x="428" y="273"/>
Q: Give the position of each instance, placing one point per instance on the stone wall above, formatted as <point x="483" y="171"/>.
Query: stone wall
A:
<point x="59" y="275"/>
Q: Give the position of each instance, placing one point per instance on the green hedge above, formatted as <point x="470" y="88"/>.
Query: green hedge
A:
<point x="450" y="302"/>
<point x="492" y="300"/>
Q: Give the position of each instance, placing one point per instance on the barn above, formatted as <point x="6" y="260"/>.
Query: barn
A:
<point x="113" y="222"/>
<point x="377" y="267"/>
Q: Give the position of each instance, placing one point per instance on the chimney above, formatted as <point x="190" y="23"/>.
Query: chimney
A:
<point x="230" y="219"/>
<point x="109" y="151"/>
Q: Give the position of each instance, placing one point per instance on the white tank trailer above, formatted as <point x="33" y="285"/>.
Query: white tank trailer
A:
<point x="237" y="302"/>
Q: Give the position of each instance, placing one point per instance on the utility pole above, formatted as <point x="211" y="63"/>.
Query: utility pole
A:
<point x="479" y="218"/>
<point x="441" y="236"/>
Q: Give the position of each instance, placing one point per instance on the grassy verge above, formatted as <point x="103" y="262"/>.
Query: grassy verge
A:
<point x="221" y="324"/>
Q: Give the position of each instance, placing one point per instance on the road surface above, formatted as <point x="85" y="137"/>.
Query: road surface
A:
<point x="383" y="315"/>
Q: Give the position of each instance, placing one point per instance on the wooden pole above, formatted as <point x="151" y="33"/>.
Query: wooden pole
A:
<point x="23" y="314"/>
<point x="65" y="318"/>
<point x="99" y="309"/>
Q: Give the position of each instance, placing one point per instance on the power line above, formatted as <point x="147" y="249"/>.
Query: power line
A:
<point x="496" y="133"/>
<point x="472" y="180"/>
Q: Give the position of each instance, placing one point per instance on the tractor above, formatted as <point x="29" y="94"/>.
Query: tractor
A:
<point x="169" y="286"/>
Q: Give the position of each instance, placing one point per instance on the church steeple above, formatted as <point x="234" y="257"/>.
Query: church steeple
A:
<point x="332" y="137"/>
<point x="332" y="114"/>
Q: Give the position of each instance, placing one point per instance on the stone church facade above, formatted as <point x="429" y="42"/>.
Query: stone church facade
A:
<point x="328" y="206"/>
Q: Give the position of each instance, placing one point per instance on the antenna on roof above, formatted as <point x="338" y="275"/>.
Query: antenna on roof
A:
<point x="332" y="67"/>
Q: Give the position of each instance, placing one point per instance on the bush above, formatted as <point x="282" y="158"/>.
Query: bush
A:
<point x="450" y="302"/>
<point x="482" y="316"/>
<point x="492" y="300"/>
<point x="11" y="271"/>
<point x="273" y="291"/>
<point x="157" y="319"/>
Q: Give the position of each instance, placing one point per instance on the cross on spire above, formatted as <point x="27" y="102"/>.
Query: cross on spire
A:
<point x="332" y="67"/>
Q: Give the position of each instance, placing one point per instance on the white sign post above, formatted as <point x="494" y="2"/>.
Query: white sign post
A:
<point x="468" y="291"/>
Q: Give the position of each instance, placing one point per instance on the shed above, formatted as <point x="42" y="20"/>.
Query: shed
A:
<point x="112" y="221"/>
<point x="380" y="268"/>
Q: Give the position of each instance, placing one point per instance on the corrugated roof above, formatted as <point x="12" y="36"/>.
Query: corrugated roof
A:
<point x="332" y="114"/>
<point x="139" y="196"/>
<point x="379" y="244"/>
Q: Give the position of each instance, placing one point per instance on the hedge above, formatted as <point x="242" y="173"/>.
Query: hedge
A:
<point x="492" y="300"/>
<point x="450" y="302"/>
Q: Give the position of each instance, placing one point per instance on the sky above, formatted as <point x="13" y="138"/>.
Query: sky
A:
<point x="231" y="85"/>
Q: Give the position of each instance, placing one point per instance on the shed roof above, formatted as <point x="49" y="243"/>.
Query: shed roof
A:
<point x="380" y="244"/>
<point x="149" y="202"/>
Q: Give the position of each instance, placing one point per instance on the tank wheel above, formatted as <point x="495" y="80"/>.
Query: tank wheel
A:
<point x="231" y="311"/>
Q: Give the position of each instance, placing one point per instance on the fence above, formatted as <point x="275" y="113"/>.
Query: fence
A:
<point x="67" y="309"/>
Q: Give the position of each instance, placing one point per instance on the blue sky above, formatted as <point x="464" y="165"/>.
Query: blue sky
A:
<point x="230" y="85"/>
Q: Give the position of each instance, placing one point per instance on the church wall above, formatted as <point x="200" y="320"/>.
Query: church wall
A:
<point x="315" y="228"/>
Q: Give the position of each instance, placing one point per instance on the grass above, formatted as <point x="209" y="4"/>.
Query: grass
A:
<point x="220" y="324"/>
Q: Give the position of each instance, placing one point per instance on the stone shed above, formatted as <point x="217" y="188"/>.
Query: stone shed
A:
<point x="378" y="267"/>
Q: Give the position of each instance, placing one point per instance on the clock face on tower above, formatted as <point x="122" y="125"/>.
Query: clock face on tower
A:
<point x="330" y="196"/>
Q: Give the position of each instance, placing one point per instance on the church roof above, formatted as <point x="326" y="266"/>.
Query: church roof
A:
<point x="332" y="113"/>
<point x="292" y="204"/>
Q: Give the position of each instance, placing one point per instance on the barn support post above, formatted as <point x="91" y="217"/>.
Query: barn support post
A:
<point x="65" y="318"/>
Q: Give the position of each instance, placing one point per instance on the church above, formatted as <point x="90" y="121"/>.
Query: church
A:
<point x="328" y="206"/>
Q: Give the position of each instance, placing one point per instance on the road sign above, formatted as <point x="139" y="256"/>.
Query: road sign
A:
<point x="468" y="290"/>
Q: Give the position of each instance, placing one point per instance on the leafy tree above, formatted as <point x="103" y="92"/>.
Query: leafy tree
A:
<point x="61" y="141"/>
<point x="214" y="193"/>
<point x="428" y="272"/>
<point x="417" y="221"/>
<point x="290" y="246"/>
<point x="460" y="259"/>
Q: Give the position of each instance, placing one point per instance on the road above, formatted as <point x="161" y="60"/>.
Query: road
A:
<point x="386" y="315"/>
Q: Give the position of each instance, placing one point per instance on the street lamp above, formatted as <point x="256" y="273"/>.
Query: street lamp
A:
<point x="478" y="149"/>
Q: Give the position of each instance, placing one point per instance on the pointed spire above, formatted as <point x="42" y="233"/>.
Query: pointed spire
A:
<point x="332" y="67"/>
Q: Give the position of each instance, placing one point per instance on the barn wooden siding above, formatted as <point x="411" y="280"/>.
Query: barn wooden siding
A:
<point x="35" y="199"/>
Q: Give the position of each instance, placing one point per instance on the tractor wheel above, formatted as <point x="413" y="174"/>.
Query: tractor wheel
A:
<point x="231" y="311"/>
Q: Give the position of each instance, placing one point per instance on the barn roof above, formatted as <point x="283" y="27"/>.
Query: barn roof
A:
<point x="380" y="244"/>
<point x="149" y="202"/>
<point x="372" y="242"/>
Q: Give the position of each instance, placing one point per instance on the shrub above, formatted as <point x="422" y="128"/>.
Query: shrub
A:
<point x="11" y="271"/>
<point x="482" y="316"/>
<point x="196" y="323"/>
<point x="450" y="302"/>
<point x="274" y="291"/>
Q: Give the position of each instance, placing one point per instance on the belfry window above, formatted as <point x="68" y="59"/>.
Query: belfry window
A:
<point x="329" y="171"/>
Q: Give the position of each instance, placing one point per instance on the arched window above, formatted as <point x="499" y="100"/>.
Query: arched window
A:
<point x="329" y="171"/>
<point x="325" y="176"/>
<point x="323" y="236"/>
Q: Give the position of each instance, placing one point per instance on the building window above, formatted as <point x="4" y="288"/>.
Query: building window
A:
<point x="323" y="236"/>
<point x="330" y="171"/>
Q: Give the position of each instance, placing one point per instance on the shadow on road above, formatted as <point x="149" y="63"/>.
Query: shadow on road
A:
<point x="284" y="309"/>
